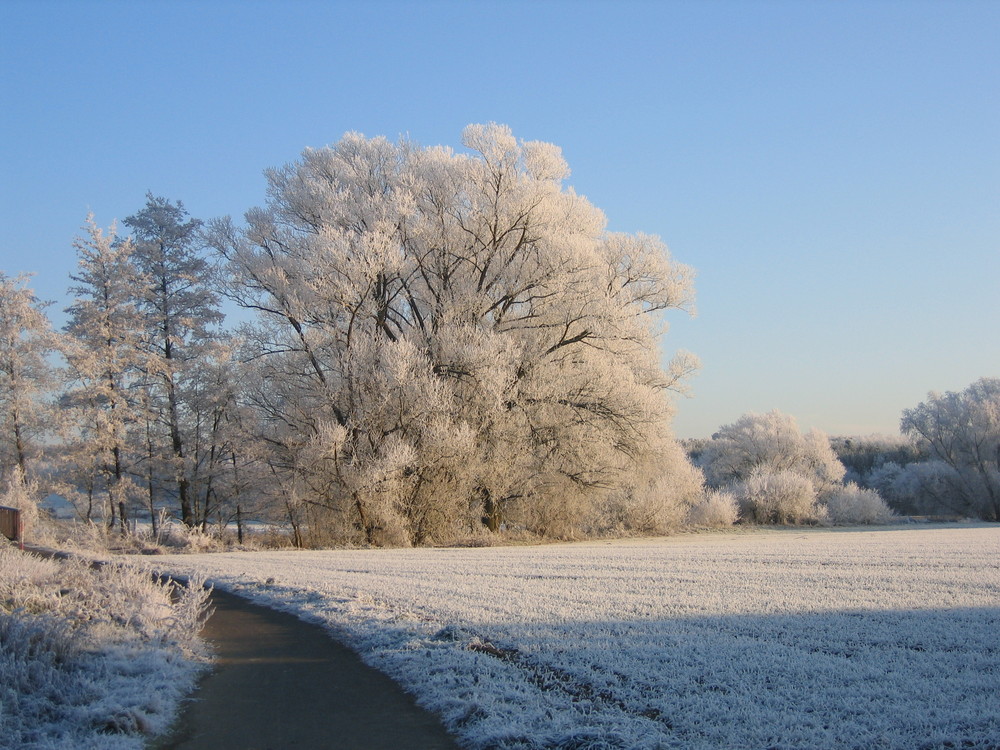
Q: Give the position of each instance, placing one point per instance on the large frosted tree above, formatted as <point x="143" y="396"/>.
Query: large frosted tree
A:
<point x="452" y="338"/>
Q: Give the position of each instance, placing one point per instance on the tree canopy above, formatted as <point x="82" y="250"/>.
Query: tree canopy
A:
<point x="447" y="337"/>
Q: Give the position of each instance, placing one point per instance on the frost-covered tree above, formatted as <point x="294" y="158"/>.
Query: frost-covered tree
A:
<point x="451" y="337"/>
<point x="222" y="479"/>
<point x="961" y="433"/>
<point x="108" y="362"/>
<point x="179" y="310"/>
<point x="27" y="378"/>
<point x="769" y="442"/>
<point x="921" y="487"/>
<point x="777" y="473"/>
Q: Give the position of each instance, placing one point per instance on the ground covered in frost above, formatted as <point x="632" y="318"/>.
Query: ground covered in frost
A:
<point x="773" y="639"/>
<point x="92" y="658"/>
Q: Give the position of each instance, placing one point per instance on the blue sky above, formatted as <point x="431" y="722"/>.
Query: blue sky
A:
<point x="830" y="169"/>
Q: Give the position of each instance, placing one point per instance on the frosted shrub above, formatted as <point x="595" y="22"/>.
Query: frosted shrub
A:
<point x="882" y="479"/>
<point x="863" y="456"/>
<point x="718" y="509"/>
<point x="114" y="594"/>
<point x="88" y="537"/>
<point x="555" y="514"/>
<point x="92" y="658"/>
<point x="641" y="511"/>
<point x="777" y="497"/>
<point x="658" y="498"/>
<point x="851" y="504"/>
<point x="191" y="539"/>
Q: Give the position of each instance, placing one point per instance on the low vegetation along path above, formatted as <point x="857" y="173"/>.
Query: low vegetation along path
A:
<point x="280" y="683"/>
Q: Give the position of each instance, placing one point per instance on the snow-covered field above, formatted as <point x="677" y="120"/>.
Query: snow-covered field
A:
<point x="773" y="639"/>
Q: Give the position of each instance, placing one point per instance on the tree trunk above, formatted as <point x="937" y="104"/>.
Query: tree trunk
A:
<point x="22" y="458"/>
<point x="492" y="513"/>
<point x="177" y="443"/>
<point x="296" y="532"/>
<point x="149" y="480"/>
<point x="117" y="492"/>
<point x="112" y="510"/>
<point x="366" y="526"/>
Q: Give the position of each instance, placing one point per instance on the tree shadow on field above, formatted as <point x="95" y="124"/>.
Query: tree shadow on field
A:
<point x="854" y="679"/>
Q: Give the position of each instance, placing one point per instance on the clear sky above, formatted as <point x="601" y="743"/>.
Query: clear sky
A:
<point x="830" y="169"/>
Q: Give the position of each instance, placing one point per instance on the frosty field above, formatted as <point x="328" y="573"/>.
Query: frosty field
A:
<point x="773" y="639"/>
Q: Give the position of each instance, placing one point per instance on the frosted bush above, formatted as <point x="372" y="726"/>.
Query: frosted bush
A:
<point x="864" y="456"/>
<point x="555" y="514"/>
<point x="777" y="497"/>
<point x="852" y="504"/>
<point x="191" y="539"/>
<point x="657" y="505"/>
<point x="89" y="537"/>
<point x="717" y="510"/>
<point x="883" y="478"/>
<point x="92" y="658"/>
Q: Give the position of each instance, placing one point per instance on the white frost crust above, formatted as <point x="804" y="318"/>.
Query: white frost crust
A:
<point x="800" y="638"/>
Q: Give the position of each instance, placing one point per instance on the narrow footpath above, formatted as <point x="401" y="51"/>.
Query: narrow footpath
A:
<point x="282" y="683"/>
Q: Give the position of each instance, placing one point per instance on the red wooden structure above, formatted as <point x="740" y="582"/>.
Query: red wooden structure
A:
<point x="11" y="525"/>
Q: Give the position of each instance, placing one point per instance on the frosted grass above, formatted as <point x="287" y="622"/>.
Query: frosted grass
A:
<point x="92" y="659"/>
<point x="776" y="639"/>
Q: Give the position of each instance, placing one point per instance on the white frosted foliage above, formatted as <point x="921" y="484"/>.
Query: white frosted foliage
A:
<point x="488" y="347"/>
<point x="961" y="433"/>
<point x="95" y="659"/>
<point x="769" y="442"/>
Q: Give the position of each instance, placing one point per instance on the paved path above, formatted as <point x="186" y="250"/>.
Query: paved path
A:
<point x="282" y="683"/>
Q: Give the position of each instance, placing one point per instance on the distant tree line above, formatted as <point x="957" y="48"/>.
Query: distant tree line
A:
<point x="945" y="462"/>
<point x="434" y="346"/>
